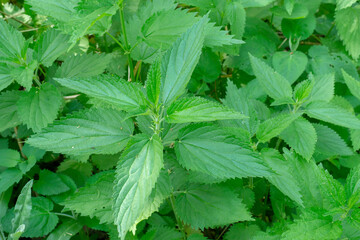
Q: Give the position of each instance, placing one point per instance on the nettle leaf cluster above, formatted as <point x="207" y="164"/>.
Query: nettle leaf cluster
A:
<point x="188" y="119"/>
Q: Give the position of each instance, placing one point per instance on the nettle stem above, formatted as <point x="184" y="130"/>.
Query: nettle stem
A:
<point x="178" y="221"/>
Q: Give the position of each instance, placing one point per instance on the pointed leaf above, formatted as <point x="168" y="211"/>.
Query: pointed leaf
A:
<point x="198" y="109"/>
<point x="323" y="88"/>
<point x="353" y="85"/>
<point x="86" y="132"/>
<point x="22" y="207"/>
<point x="153" y="82"/>
<point x="214" y="151"/>
<point x="110" y="89"/>
<point x="47" y="181"/>
<point x="290" y="64"/>
<point x="136" y="176"/>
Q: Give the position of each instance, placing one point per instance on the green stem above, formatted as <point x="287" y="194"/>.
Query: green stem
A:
<point x="330" y="29"/>
<point x="115" y="40"/>
<point x="65" y="215"/>
<point x="278" y="143"/>
<point x="179" y="223"/>
<point x="2" y="236"/>
<point x="127" y="47"/>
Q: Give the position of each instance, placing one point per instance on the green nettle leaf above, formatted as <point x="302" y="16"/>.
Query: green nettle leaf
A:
<point x="95" y="199"/>
<point x="66" y="230"/>
<point x="136" y="176"/>
<point x="274" y="126"/>
<point x="352" y="186"/>
<point x="12" y="44"/>
<point x="41" y="221"/>
<point x="275" y="85"/>
<point x="86" y="132"/>
<point x="298" y="28"/>
<point x="329" y="143"/>
<point x="235" y="14"/>
<point x="313" y="226"/>
<point x="332" y="113"/>
<point x="39" y="107"/>
<point x="196" y="109"/>
<point x="22" y="207"/>
<point x="180" y="60"/>
<point x="302" y="90"/>
<point x="210" y="206"/>
<point x="301" y="136"/>
<point x="348" y="25"/>
<point x="212" y="150"/>
<point x="47" y="181"/>
<point x="282" y="178"/>
<point x="50" y="46"/>
<point x="153" y="82"/>
<point x="85" y="65"/>
<point x="109" y="89"/>
<point x="352" y="83"/>
<point x="323" y="87"/>
<point x="5" y="76"/>
<point x="355" y="137"/>
<point x="247" y="231"/>
<point x="290" y="64"/>
<point x="9" y="158"/>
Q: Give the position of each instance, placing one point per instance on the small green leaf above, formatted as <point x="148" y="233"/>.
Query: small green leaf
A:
<point x="22" y="207"/>
<point x="353" y="186"/>
<point x="209" y="206"/>
<point x="274" y="126"/>
<point x="301" y="136"/>
<point x="86" y="132"/>
<point x="303" y="90"/>
<point x="39" y="107"/>
<point x="180" y="60"/>
<point x="110" y="89"/>
<point x="198" y="109"/>
<point x="212" y="150"/>
<point x="353" y="85"/>
<point x="290" y="64"/>
<point x="136" y="176"/>
<point x="49" y="183"/>
<point x="153" y="82"/>
<point x="298" y="28"/>
<point x="12" y="43"/>
<point x="9" y="158"/>
<point x="275" y="85"/>
<point x="50" y="46"/>
<point x="332" y="113"/>
<point x="235" y="14"/>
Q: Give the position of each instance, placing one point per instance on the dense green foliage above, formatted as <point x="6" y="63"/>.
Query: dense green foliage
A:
<point x="186" y="119"/>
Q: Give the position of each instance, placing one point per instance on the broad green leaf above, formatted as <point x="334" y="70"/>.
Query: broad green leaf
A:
<point x="41" y="220"/>
<point x="282" y="178"/>
<point x="110" y="89"/>
<point x="24" y="74"/>
<point x="275" y="85"/>
<point x="323" y="88"/>
<point x="290" y="64"/>
<point x="66" y="230"/>
<point x="313" y="226"/>
<point x="235" y="14"/>
<point x="352" y="83"/>
<point x="212" y="150"/>
<point x="4" y="202"/>
<point x="298" y="28"/>
<point x="162" y="232"/>
<point x="39" y="107"/>
<point x="329" y="143"/>
<point x="256" y="3"/>
<point x="153" y="82"/>
<point x="95" y="199"/>
<point x="348" y="25"/>
<point x="47" y="181"/>
<point x="12" y="44"/>
<point x="198" y="109"/>
<point x="302" y="91"/>
<point x="340" y="4"/>
<point x="86" y="132"/>
<point x="332" y="113"/>
<point x="136" y="176"/>
<point x="85" y="65"/>
<point x="355" y="137"/>
<point x="301" y="136"/>
<point x="8" y="177"/>
<point x="50" y="46"/>
<point x="179" y="62"/>
<point x="300" y="11"/>
<point x="274" y="126"/>
<point x="9" y="158"/>
<point x="203" y="206"/>
<point x="22" y="207"/>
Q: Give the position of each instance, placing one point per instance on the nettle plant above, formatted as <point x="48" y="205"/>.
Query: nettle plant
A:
<point x="149" y="120"/>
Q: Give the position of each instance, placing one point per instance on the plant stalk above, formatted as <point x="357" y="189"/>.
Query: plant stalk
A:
<point x="178" y="221"/>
